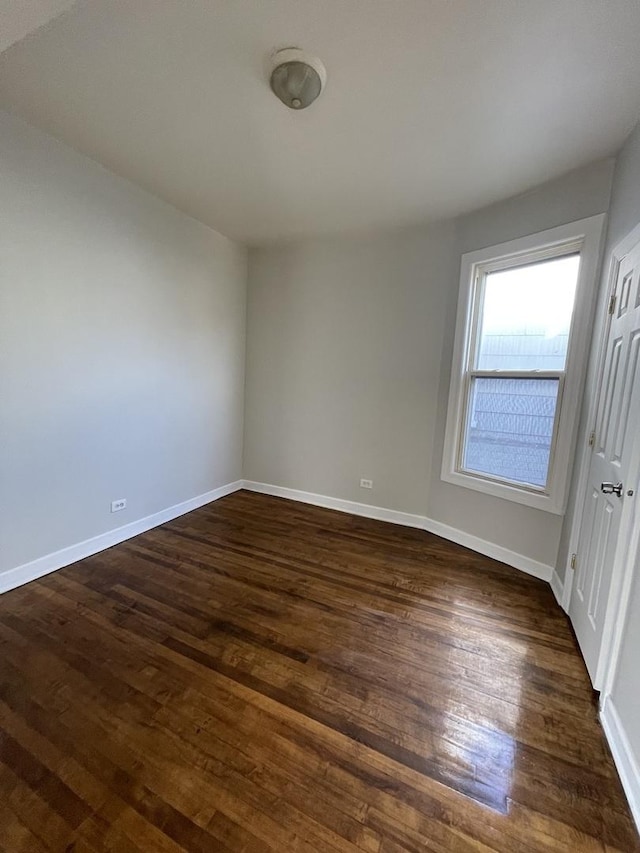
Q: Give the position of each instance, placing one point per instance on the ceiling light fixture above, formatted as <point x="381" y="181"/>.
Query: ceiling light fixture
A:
<point x="296" y="78"/>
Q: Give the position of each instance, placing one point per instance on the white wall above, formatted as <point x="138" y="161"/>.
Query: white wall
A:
<point x="577" y="195"/>
<point x="344" y="342"/>
<point x="624" y="212"/>
<point x="348" y="360"/>
<point x="122" y="339"/>
<point x="127" y="379"/>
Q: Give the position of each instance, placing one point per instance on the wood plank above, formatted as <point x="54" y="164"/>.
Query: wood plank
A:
<point x="265" y="675"/>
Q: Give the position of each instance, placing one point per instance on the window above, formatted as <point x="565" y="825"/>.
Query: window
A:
<point x="520" y="353"/>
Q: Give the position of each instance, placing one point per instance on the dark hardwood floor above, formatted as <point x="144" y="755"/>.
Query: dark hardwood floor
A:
<point x="264" y="675"/>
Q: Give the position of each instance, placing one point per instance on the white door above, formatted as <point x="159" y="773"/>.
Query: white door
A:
<point x="609" y="496"/>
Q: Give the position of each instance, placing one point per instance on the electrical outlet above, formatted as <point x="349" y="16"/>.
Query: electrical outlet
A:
<point x="366" y="484"/>
<point x="116" y="506"/>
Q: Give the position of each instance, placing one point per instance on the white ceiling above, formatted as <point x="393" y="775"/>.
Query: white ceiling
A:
<point x="19" y="17"/>
<point x="432" y="107"/>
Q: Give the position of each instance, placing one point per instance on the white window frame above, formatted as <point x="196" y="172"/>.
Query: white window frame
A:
<point x="585" y="237"/>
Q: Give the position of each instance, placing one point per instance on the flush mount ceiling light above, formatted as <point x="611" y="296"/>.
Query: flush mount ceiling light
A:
<point x="296" y="78"/>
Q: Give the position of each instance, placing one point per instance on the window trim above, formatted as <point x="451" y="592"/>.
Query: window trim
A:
<point x="584" y="236"/>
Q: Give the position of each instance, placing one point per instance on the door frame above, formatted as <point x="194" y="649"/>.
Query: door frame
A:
<point x="622" y="569"/>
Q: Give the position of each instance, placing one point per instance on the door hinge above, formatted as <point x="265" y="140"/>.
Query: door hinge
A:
<point x="592" y="439"/>
<point x="612" y="303"/>
<point x="574" y="559"/>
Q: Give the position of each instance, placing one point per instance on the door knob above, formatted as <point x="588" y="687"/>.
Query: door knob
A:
<point x="611" y="489"/>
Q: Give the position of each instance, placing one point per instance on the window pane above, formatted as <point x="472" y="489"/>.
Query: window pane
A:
<point x="526" y="316"/>
<point x="510" y="428"/>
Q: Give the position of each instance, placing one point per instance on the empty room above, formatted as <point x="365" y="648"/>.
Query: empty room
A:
<point x="319" y="426"/>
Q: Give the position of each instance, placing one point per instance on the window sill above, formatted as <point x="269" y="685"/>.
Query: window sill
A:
<point x="536" y="500"/>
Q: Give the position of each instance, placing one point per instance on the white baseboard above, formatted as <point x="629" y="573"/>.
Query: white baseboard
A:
<point x="453" y="534"/>
<point x="377" y="512"/>
<point x="57" y="560"/>
<point x="625" y="761"/>
<point x="490" y="549"/>
<point x="558" y="588"/>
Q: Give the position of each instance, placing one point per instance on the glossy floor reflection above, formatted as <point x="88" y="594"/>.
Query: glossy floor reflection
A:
<point x="264" y="675"/>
